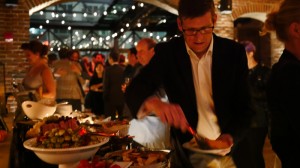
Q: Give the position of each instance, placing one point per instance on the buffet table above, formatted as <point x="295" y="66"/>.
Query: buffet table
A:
<point x="17" y="156"/>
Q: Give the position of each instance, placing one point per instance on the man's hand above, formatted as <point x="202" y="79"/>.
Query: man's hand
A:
<point x="171" y="114"/>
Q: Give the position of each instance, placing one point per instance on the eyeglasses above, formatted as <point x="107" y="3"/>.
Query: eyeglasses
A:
<point x="203" y="30"/>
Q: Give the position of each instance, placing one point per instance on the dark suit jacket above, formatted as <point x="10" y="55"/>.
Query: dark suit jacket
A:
<point x="283" y="99"/>
<point x="112" y="81"/>
<point x="171" y="67"/>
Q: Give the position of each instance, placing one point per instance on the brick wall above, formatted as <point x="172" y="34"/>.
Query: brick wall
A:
<point x="16" y="21"/>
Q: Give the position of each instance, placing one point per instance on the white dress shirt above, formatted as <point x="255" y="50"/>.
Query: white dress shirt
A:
<point x="207" y="121"/>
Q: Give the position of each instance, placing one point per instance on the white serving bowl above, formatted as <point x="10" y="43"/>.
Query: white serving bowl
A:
<point x="64" y="109"/>
<point x="36" y="110"/>
<point x="64" y="157"/>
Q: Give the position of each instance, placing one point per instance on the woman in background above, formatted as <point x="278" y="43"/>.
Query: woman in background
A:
<point x="95" y="95"/>
<point x="284" y="85"/>
<point x="39" y="76"/>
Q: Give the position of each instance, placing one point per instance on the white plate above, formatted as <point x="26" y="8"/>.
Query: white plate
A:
<point x="193" y="147"/>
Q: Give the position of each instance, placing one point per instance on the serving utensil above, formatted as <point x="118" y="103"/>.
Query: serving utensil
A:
<point x="199" y="140"/>
<point x="83" y="131"/>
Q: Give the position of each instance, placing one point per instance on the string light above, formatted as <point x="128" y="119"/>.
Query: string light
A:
<point x="128" y="36"/>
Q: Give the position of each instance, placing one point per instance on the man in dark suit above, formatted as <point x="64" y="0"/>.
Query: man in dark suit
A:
<point x="205" y="79"/>
<point x="112" y="93"/>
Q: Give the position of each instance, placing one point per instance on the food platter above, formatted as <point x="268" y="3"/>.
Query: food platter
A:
<point x="64" y="157"/>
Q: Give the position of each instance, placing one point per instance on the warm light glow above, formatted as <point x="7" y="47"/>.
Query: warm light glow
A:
<point x="144" y="30"/>
<point x="138" y="24"/>
<point x="133" y="7"/>
<point x="121" y="30"/>
<point x="41" y="12"/>
<point x="141" y="4"/>
<point x="127" y="24"/>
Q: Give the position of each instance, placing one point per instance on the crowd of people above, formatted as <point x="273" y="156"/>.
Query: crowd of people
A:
<point x="199" y="80"/>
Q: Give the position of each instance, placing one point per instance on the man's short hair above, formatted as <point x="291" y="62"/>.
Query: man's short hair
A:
<point x="151" y="43"/>
<point x="195" y="8"/>
<point x="114" y="55"/>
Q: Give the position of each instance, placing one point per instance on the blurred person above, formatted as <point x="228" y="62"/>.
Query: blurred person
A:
<point x="258" y="77"/>
<point x="51" y="58"/>
<point x="39" y="76"/>
<point x="122" y="60"/>
<point x="74" y="55"/>
<point x="149" y="131"/>
<point x="112" y="94"/>
<point x="283" y="86"/>
<point x="69" y="80"/>
<point x="96" y="58"/>
<point x="133" y="63"/>
<point x="85" y="64"/>
<point x="95" y="95"/>
<point x="205" y="79"/>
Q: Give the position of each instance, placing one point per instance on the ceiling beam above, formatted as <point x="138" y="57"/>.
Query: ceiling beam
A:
<point x="168" y="5"/>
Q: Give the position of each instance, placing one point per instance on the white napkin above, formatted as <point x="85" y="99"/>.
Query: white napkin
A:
<point x="150" y="132"/>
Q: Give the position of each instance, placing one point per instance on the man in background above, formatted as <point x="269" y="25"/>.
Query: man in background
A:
<point x="150" y="131"/>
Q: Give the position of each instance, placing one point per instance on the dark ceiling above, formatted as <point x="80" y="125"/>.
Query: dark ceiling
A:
<point x="90" y="15"/>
